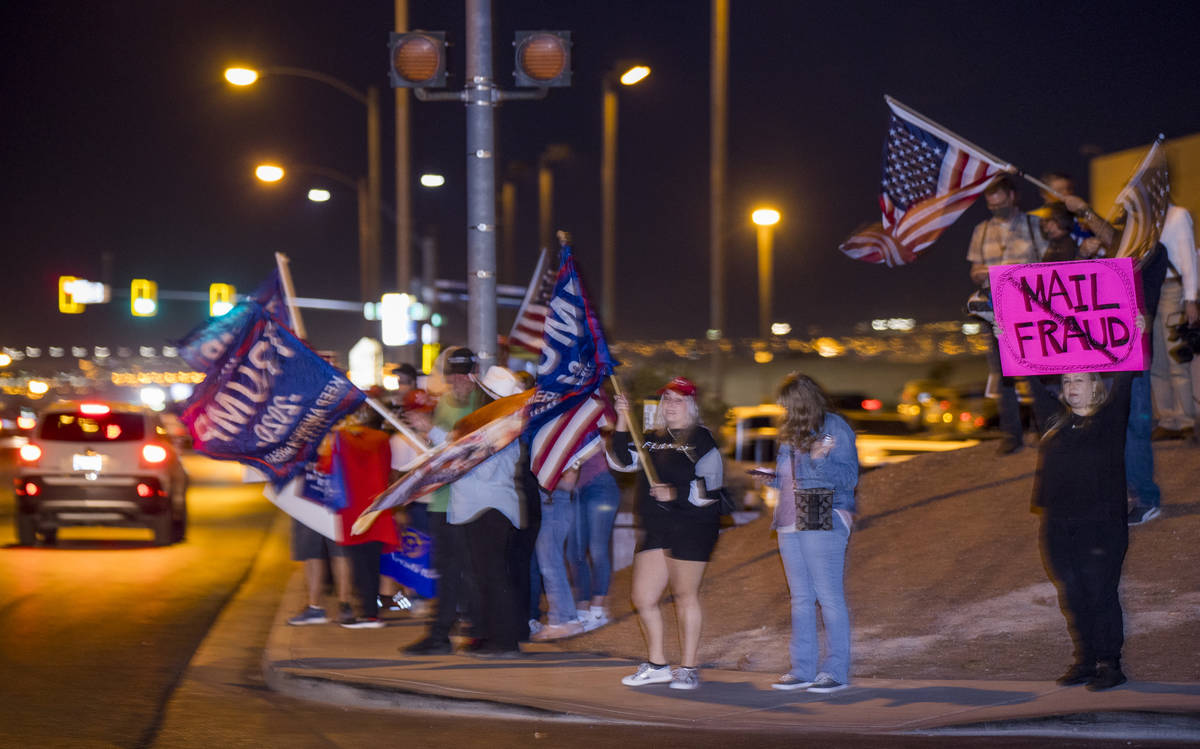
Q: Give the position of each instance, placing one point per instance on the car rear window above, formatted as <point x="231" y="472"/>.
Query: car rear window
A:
<point x="110" y="427"/>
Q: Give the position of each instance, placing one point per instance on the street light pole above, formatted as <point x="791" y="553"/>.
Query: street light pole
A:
<point x="608" y="198"/>
<point x="765" y="219"/>
<point x="370" y="100"/>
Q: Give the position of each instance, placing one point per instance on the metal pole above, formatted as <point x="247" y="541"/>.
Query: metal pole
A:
<point x="374" y="201"/>
<point x="508" y="221"/>
<point x="716" y="210"/>
<point x="766" y="236"/>
<point x="545" y="205"/>
<point x="363" y="193"/>
<point x="481" y="185"/>
<point x="608" y="208"/>
<point x="404" y="222"/>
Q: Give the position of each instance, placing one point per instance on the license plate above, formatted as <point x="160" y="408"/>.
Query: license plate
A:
<point x="90" y="463"/>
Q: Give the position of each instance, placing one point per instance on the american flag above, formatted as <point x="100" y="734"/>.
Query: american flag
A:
<point x="531" y="317"/>
<point x="1143" y="202"/>
<point x="569" y="438"/>
<point x="929" y="178"/>
<point x="569" y="407"/>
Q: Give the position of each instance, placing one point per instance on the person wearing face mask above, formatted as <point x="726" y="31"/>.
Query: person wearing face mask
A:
<point x="1079" y="491"/>
<point x="1009" y="237"/>
<point x="680" y="519"/>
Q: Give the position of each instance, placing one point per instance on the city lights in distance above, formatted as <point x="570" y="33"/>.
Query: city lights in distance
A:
<point x="903" y="324"/>
<point x="780" y="328"/>
<point x="241" y="76"/>
<point x="318" y="195"/>
<point x="432" y="180"/>
<point x="38" y="387"/>
<point x="5" y="360"/>
<point x="971" y="328"/>
<point x="635" y="74"/>
<point x="765" y="216"/>
<point x="268" y="172"/>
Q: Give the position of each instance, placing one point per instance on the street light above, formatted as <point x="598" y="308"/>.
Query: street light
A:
<point x="245" y="76"/>
<point x="631" y="75"/>
<point x="272" y="173"/>
<point x="765" y="219"/>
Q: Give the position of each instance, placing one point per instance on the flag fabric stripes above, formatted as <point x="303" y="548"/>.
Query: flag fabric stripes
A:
<point x="566" y="411"/>
<point x="1143" y="204"/>
<point x="930" y="177"/>
<point x="531" y="317"/>
<point x="568" y="439"/>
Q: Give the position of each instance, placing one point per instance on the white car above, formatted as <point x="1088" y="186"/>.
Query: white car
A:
<point x="99" y="463"/>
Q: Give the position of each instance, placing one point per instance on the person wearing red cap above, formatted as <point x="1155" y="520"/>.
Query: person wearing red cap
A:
<point x="680" y="517"/>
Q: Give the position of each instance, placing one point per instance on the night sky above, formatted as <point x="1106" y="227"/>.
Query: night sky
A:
<point x="121" y="140"/>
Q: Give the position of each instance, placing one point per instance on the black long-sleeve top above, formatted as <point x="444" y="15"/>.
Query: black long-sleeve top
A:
<point x="1081" y="463"/>
<point x="678" y="464"/>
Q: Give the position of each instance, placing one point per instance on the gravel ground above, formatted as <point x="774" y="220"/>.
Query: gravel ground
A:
<point x="945" y="581"/>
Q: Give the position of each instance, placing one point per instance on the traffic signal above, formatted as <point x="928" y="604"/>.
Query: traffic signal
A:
<point x="221" y="298"/>
<point x="143" y="298"/>
<point x="543" y="58"/>
<point x="66" y="301"/>
<point x="418" y="59"/>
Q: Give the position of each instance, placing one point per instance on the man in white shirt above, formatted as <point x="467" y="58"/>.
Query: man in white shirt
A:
<point x="1170" y="380"/>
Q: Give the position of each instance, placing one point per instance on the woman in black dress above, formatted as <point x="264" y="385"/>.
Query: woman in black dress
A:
<point x="1080" y="493"/>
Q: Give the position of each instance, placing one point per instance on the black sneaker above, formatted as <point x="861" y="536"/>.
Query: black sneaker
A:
<point x="1077" y="674"/>
<point x="1107" y="676"/>
<point x="429" y="646"/>
<point x="1139" y="514"/>
<point x="364" y="622"/>
<point x="345" y="614"/>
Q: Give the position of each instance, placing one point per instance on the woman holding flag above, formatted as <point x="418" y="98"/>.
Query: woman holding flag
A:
<point x="677" y="504"/>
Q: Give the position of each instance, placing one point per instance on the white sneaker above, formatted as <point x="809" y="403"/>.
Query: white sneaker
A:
<point x="557" y="631"/>
<point x="534" y="627"/>
<point x="597" y="617"/>
<point x="685" y="678"/>
<point x="787" y="682"/>
<point x="647" y="674"/>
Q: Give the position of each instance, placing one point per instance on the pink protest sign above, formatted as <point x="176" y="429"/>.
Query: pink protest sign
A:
<point x="1079" y="316"/>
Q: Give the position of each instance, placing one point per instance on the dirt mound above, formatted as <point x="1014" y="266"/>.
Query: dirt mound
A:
<point x="944" y="580"/>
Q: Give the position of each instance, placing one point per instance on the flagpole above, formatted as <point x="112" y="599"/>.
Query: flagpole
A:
<point x="636" y="434"/>
<point x="390" y="417"/>
<point x="289" y="293"/>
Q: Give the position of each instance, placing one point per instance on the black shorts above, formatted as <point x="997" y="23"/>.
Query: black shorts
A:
<point x="308" y="544"/>
<point x="687" y="542"/>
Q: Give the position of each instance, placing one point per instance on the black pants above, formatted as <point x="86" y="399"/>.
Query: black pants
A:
<point x="364" y="571"/>
<point x="451" y="559"/>
<point x="490" y="537"/>
<point x="1084" y="558"/>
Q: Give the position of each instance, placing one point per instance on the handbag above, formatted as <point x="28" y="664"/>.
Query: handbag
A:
<point x="814" y="507"/>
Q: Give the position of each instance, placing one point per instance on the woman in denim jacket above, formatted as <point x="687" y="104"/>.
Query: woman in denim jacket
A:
<point x="817" y="449"/>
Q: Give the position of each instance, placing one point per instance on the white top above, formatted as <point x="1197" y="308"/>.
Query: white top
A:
<point x="1178" y="236"/>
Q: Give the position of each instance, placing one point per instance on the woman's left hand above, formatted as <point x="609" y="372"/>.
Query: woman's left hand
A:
<point x="662" y="492"/>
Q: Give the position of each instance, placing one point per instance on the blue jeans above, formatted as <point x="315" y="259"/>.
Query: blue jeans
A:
<point x="1139" y="455"/>
<point x="558" y="514"/>
<point x="814" y="562"/>
<point x="596" y="506"/>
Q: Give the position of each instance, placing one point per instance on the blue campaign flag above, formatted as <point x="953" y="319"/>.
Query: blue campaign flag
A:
<point x="203" y="347"/>
<point x="269" y="400"/>
<point x="326" y="489"/>
<point x="411" y="564"/>
<point x="575" y="357"/>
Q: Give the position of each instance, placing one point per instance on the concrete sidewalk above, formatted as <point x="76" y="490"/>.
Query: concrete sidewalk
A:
<point x="366" y="668"/>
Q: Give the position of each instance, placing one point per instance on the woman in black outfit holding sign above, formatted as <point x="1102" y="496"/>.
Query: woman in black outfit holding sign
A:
<point x="680" y="518"/>
<point x="1080" y="493"/>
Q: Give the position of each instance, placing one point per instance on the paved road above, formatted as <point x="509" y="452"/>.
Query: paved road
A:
<point x="95" y="634"/>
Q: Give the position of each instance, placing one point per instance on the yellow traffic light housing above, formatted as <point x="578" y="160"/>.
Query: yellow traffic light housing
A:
<point x="543" y="58"/>
<point x="143" y="298"/>
<point x="66" y="302"/>
<point x="418" y="59"/>
<point x="221" y="298"/>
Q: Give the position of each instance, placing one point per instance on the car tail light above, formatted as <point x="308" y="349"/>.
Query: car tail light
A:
<point x="93" y="409"/>
<point x="154" y="454"/>
<point x="144" y="490"/>
<point x="31" y="489"/>
<point x="30" y="453"/>
<point x="872" y="404"/>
